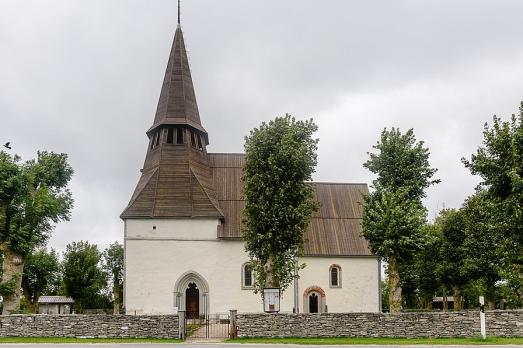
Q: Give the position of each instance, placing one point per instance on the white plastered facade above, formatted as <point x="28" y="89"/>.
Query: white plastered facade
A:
<point x="162" y="256"/>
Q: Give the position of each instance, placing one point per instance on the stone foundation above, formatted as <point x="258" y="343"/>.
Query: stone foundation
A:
<point x="102" y="326"/>
<point x="421" y="324"/>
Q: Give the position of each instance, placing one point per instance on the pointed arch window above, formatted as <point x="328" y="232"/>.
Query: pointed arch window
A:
<point x="247" y="276"/>
<point x="335" y="276"/>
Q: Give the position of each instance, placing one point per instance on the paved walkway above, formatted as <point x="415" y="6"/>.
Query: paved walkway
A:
<point x="211" y="333"/>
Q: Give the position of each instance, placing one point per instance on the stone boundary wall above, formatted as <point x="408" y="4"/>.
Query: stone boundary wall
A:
<point x="420" y="324"/>
<point x="103" y="326"/>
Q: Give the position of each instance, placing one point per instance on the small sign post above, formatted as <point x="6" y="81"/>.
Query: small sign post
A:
<point x="271" y="300"/>
<point x="482" y="317"/>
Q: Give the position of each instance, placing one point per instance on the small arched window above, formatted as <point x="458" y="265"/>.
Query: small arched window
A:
<point x="335" y="276"/>
<point x="247" y="276"/>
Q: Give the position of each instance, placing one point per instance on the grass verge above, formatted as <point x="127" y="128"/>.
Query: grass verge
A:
<point x="381" y="341"/>
<point x="85" y="340"/>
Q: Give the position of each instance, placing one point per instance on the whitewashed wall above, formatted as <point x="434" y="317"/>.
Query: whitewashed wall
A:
<point x="359" y="291"/>
<point x="156" y="257"/>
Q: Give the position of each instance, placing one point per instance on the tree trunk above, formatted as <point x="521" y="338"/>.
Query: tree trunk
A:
<point x="394" y="286"/>
<point x="13" y="267"/>
<point x="458" y="297"/>
<point x="116" y="295"/>
<point x="269" y="274"/>
<point x="445" y="301"/>
<point x="428" y="303"/>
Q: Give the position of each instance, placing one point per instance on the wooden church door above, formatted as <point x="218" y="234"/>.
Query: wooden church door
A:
<point x="313" y="303"/>
<point x="192" y="302"/>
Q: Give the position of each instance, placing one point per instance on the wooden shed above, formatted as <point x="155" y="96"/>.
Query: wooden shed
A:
<point x="55" y="305"/>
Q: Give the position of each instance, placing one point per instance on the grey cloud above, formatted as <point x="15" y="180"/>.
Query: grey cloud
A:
<point x="83" y="77"/>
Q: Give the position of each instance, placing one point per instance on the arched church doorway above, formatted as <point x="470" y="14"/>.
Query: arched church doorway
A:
<point x="313" y="303"/>
<point x="314" y="300"/>
<point x="191" y="294"/>
<point x="192" y="301"/>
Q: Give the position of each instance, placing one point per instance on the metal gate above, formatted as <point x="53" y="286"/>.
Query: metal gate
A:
<point x="208" y="327"/>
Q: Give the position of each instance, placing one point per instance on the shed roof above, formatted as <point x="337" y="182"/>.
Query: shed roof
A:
<point x="55" y="299"/>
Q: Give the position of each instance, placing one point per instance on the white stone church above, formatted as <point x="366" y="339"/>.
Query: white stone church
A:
<point x="182" y="237"/>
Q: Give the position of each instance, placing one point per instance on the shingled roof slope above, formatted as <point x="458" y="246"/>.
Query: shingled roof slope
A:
<point x="177" y="103"/>
<point x="335" y="230"/>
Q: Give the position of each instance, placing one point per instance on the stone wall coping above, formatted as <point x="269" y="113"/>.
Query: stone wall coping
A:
<point x="89" y="325"/>
<point x="503" y="323"/>
<point x="89" y="315"/>
<point x="466" y="311"/>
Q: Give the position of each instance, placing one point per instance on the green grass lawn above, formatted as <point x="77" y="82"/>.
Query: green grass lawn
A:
<point x="85" y="340"/>
<point x="379" y="341"/>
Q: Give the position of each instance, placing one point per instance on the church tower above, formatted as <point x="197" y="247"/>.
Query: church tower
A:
<point x="176" y="178"/>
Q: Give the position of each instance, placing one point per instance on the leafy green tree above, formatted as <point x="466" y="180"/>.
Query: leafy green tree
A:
<point x="500" y="163"/>
<point x="393" y="225"/>
<point x="394" y="215"/>
<point x="510" y="292"/>
<point x="485" y="245"/>
<point x="83" y="277"/>
<point x="450" y="267"/>
<point x="471" y="293"/>
<point x="401" y="163"/>
<point x="41" y="275"/>
<point x="426" y="266"/>
<point x="113" y="265"/>
<point x="280" y="158"/>
<point x="408" y="283"/>
<point x="33" y="197"/>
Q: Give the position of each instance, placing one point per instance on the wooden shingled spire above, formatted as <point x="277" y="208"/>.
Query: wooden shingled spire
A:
<point x="177" y="104"/>
<point x="176" y="178"/>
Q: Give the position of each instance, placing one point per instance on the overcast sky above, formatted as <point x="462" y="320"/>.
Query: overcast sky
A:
<point x="84" y="77"/>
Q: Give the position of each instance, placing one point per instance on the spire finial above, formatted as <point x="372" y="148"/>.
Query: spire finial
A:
<point x="178" y="12"/>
